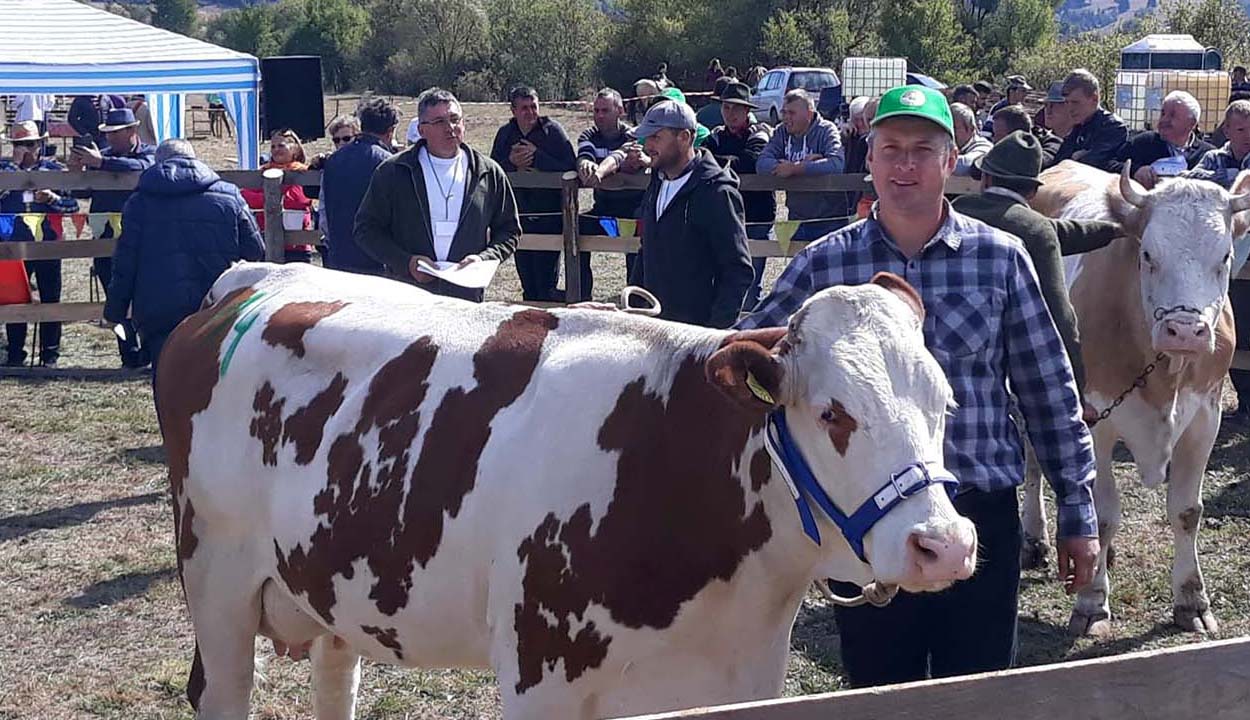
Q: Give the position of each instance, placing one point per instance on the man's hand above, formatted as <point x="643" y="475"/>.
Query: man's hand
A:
<point x="415" y="271"/>
<point x="586" y="172"/>
<point x="636" y="158"/>
<point x="88" y="156"/>
<point x="787" y="169"/>
<point x="522" y="155"/>
<point x="1146" y="176"/>
<point x="469" y="260"/>
<point x="47" y="197"/>
<point x="1078" y="559"/>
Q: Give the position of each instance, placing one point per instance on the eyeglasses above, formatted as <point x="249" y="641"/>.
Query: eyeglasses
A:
<point x="454" y="121"/>
<point x="343" y="139"/>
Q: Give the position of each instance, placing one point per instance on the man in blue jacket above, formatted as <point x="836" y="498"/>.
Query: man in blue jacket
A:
<point x="183" y="226"/>
<point x="533" y="142"/>
<point x="344" y="180"/>
<point x="28" y="143"/>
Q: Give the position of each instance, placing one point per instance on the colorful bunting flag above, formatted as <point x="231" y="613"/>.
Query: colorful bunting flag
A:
<point x="34" y="224"/>
<point x="97" y="222"/>
<point x="56" y="222"/>
<point x="784" y="231"/>
<point x="115" y="219"/>
<point x="6" y="226"/>
<point x="80" y="221"/>
<point x="628" y="226"/>
<point x="610" y="227"/>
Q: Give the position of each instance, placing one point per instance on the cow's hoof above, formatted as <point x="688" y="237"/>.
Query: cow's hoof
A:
<point x="1097" y="625"/>
<point x="1033" y="554"/>
<point x="1195" y="620"/>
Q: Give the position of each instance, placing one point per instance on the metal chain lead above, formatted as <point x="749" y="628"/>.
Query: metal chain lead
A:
<point x="1138" y="382"/>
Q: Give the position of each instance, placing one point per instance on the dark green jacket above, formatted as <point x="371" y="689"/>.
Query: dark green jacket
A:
<point x="1046" y="241"/>
<point x="393" y="222"/>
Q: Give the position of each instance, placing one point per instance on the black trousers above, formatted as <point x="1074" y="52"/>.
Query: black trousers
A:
<point x="539" y="271"/>
<point x="1239" y="296"/>
<point x="968" y="628"/>
<point x="48" y="275"/>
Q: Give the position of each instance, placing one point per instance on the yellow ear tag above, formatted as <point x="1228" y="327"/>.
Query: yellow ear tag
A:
<point x="758" y="390"/>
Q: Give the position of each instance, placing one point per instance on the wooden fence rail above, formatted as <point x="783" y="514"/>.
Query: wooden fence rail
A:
<point x="1210" y="681"/>
<point x="570" y="242"/>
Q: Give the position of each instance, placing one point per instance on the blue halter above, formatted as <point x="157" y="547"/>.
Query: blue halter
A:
<point x="803" y="484"/>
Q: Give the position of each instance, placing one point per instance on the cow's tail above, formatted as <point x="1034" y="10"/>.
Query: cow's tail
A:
<point x="195" y="682"/>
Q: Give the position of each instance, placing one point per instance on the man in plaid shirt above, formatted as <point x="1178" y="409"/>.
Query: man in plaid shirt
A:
<point x="988" y="327"/>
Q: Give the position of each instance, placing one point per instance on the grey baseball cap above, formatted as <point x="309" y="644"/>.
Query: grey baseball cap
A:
<point x="666" y="114"/>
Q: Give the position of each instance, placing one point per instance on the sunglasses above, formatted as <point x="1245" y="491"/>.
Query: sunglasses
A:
<point x="343" y="139"/>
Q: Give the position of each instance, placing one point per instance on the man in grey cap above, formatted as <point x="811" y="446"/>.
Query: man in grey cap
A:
<point x="694" y="252"/>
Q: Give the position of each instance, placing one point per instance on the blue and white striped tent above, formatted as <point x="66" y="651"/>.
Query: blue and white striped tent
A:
<point x="63" y="47"/>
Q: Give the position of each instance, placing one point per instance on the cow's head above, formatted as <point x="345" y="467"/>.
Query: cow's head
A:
<point x="1185" y="230"/>
<point x="863" y="399"/>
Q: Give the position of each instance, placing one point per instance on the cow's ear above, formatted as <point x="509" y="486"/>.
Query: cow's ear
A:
<point x="903" y="290"/>
<point x="748" y="373"/>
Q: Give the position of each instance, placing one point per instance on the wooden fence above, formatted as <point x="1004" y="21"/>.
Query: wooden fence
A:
<point x="1210" y="681"/>
<point x="276" y="238"/>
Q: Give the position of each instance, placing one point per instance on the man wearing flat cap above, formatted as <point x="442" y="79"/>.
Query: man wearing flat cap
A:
<point x="694" y="246"/>
<point x="1017" y="88"/>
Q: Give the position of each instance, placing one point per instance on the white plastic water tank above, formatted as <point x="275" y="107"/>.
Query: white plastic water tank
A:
<point x="871" y="76"/>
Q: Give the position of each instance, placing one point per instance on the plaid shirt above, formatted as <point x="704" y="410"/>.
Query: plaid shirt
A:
<point x="986" y="324"/>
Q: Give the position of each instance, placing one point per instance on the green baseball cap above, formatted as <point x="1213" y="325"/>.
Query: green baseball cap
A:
<point x="915" y="101"/>
<point x="674" y="93"/>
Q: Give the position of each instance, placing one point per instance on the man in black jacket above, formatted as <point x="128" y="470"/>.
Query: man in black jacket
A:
<point x="737" y="145"/>
<point x="694" y="252"/>
<point x="439" y="201"/>
<point x="530" y="141"/>
<point x="1171" y="149"/>
<point x="345" y="177"/>
<point x="1097" y="133"/>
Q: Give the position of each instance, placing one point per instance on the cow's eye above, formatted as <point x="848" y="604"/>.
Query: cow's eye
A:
<point x="828" y="416"/>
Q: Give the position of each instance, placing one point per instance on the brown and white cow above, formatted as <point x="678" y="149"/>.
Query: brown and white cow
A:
<point x="580" y="500"/>
<point x="1160" y="289"/>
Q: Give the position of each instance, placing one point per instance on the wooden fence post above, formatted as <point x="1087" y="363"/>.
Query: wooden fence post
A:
<point x="275" y="235"/>
<point x="572" y="263"/>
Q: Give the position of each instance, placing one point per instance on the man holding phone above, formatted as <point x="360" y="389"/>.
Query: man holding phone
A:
<point x="28" y="154"/>
<point x="125" y="153"/>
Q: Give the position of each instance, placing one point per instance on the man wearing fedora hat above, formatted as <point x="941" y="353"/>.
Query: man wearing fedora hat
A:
<point x="1009" y="179"/>
<point x="28" y="144"/>
<point x="125" y="153"/>
<point x="987" y="325"/>
<point x="737" y="143"/>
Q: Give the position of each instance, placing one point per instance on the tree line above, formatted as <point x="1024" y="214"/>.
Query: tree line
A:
<point x="567" y="48"/>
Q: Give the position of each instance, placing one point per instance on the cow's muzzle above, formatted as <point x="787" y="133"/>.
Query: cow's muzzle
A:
<point x="1181" y="331"/>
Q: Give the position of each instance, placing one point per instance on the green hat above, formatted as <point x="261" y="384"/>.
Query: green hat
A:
<point x="915" y="101"/>
<point x="1017" y="157"/>
<point x="674" y="93"/>
<point x="701" y="133"/>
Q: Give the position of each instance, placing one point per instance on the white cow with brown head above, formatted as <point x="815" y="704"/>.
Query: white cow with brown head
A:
<point x="580" y="500"/>
<point x="1154" y="299"/>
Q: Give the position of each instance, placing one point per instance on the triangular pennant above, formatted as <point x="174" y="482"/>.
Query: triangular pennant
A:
<point x="628" y="226"/>
<point x="34" y="223"/>
<point x="56" y="222"/>
<point x="610" y="227"/>
<point x="115" y="219"/>
<point x="97" y="221"/>
<point x="6" y="226"/>
<point x="80" y="222"/>
<point x="784" y="231"/>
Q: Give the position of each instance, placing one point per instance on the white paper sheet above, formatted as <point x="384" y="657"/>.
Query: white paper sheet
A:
<point x="473" y="275"/>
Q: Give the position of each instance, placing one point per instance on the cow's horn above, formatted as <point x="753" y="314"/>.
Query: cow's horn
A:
<point x="1240" y="202"/>
<point x="1130" y="193"/>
